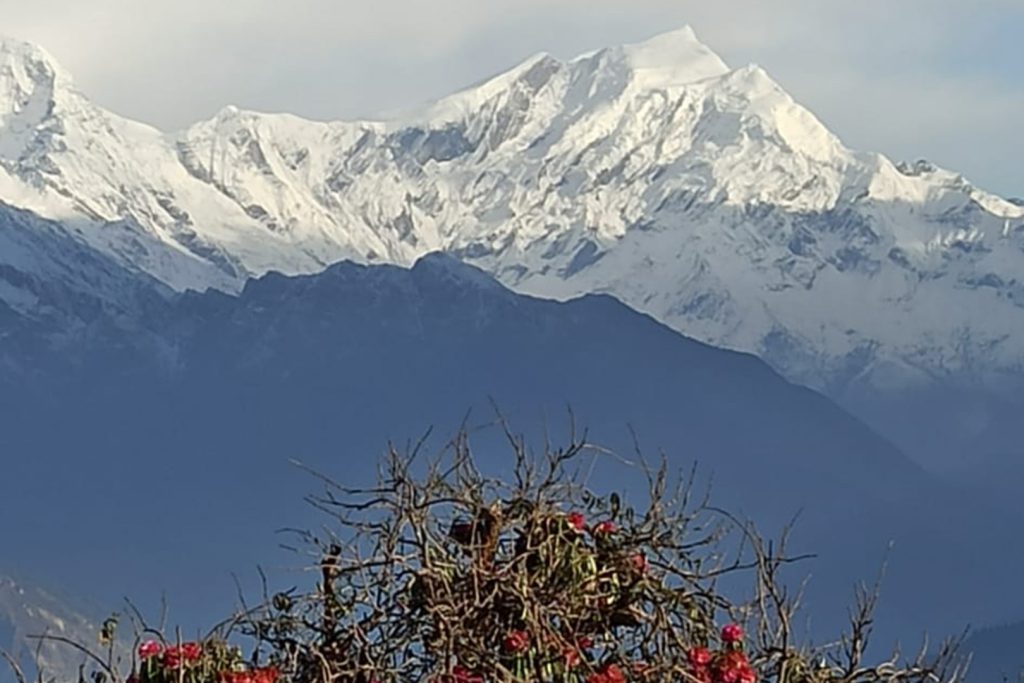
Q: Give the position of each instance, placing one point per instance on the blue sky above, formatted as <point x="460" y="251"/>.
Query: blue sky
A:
<point x="914" y="79"/>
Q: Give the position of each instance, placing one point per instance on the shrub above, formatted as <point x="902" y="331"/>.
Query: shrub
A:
<point x="441" y="574"/>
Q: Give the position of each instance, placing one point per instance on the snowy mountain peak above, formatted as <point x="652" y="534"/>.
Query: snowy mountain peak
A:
<point x="30" y="78"/>
<point x="32" y="84"/>
<point x="674" y="58"/>
<point x="29" y="64"/>
<point x="702" y="195"/>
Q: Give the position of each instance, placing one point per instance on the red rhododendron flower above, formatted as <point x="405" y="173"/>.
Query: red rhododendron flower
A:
<point x="175" y="655"/>
<point x="150" y="648"/>
<point x="747" y="674"/>
<point x="576" y="520"/>
<point x="609" y="673"/>
<point x="171" y="658"/>
<point x="462" y="675"/>
<point x="605" y="527"/>
<point x="732" y="633"/>
<point x="698" y="657"/>
<point x="267" y="674"/>
<point x="516" y="642"/>
<point x="191" y="651"/>
<point x="733" y="667"/>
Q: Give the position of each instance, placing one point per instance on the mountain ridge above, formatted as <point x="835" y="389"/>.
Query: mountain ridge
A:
<point x="702" y="195"/>
<point x="175" y="435"/>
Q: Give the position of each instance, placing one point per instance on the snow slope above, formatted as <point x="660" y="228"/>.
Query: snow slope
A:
<point x="700" y="194"/>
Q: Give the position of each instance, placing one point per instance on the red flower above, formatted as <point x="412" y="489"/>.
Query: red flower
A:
<point x="729" y="676"/>
<point x="609" y="673"/>
<point x="461" y="675"/>
<point x="638" y="561"/>
<point x="171" y="658"/>
<point x="516" y="642"/>
<point x="175" y="655"/>
<point x="584" y="642"/>
<point x="190" y="652"/>
<point x="577" y="521"/>
<point x="698" y="657"/>
<point x="267" y="674"/>
<point x="605" y="527"/>
<point x="733" y="667"/>
<point x="150" y="648"/>
<point x="732" y="633"/>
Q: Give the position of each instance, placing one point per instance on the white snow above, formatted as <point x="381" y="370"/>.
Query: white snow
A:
<point x="700" y="194"/>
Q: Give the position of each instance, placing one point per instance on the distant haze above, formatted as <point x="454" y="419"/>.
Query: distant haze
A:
<point x="918" y="78"/>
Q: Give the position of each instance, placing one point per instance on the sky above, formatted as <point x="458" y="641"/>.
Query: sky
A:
<point x="935" y="79"/>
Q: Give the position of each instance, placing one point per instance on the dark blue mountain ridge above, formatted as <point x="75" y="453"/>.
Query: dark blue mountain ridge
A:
<point x="147" y="450"/>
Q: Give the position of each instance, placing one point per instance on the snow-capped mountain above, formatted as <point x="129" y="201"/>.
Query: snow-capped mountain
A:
<point x="701" y="194"/>
<point x="27" y="612"/>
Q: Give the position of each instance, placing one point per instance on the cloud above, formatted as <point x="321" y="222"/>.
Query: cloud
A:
<point x="932" y="78"/>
